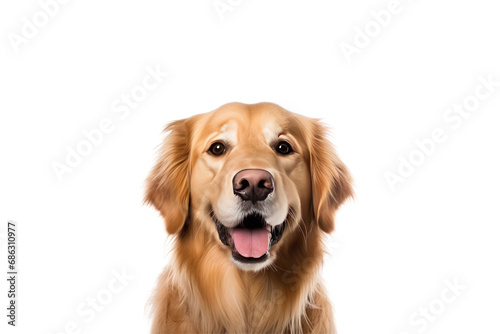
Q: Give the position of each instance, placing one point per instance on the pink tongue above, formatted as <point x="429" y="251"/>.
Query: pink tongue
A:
<point x="251" y="242"/>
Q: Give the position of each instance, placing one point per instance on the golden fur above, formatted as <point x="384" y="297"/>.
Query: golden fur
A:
<point x="202" y="290"/>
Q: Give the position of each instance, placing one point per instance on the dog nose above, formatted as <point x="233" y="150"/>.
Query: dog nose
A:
<point x="253" y="184"/>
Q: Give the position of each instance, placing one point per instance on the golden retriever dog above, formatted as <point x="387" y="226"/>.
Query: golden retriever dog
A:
<point x="248" y="193"/>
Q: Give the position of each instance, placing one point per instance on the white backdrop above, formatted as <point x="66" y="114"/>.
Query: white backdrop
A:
<point x="411" y="90"/>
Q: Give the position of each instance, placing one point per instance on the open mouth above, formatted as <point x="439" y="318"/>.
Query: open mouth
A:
<point x="252" y="239"/>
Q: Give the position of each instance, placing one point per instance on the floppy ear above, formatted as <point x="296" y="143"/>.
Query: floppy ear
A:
<point x="331" y="181"/>
<point x="167" y="187"/>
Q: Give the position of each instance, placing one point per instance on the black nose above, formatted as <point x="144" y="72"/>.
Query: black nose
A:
<point x="253" y="184"/>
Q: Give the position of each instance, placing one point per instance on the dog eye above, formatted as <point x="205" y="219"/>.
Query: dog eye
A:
<point x="284" y="148"/>
<point x="217" y="149"/>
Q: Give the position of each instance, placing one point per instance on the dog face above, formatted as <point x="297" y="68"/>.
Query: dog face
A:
<point x="247" y="178"/>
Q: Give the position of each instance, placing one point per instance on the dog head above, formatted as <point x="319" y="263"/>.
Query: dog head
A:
<point x="248" y="177"/>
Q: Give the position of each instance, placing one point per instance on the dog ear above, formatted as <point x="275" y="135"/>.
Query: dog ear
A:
<point x="167" y="187"/>
<point x="331" y="181"/>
